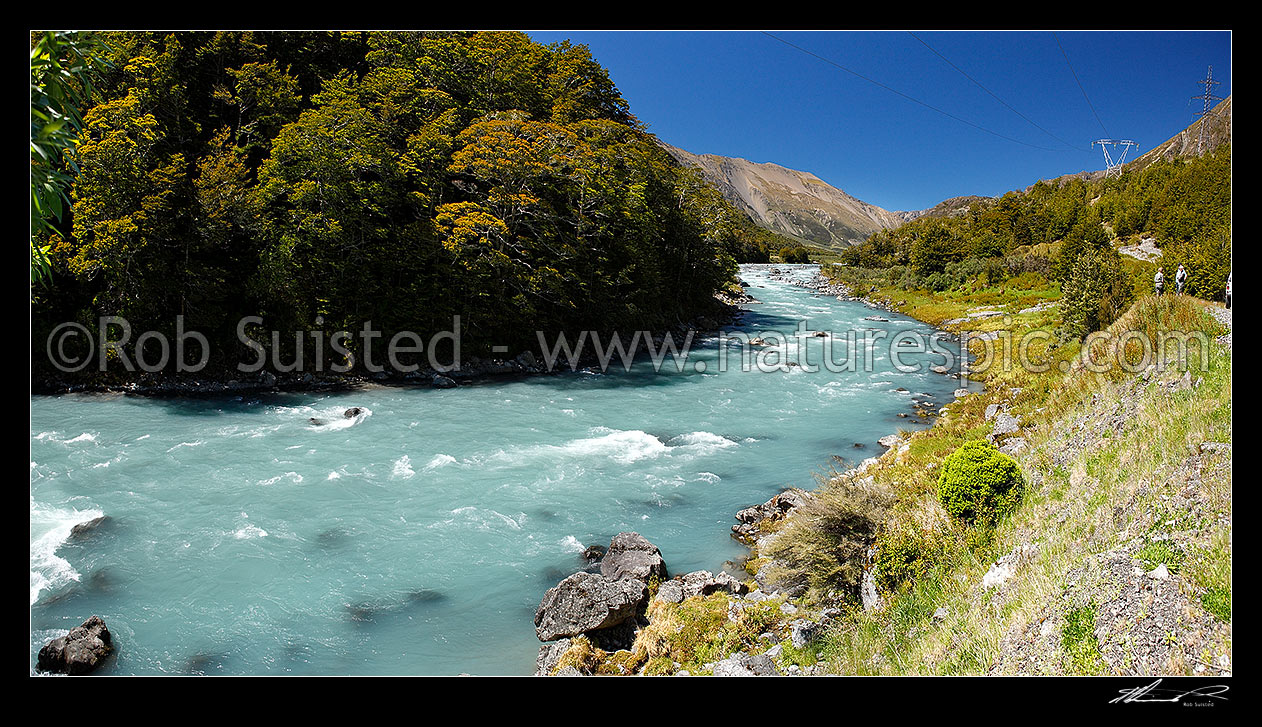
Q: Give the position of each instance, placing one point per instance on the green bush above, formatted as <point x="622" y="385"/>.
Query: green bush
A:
<point x="903" y="555"/>
<point x="1157" y="552"/>
<point x="1095" y="292"/>
<point x="1078" y="639"/>
<point x="979" y="484"/>
<point x="1217" y="600"/>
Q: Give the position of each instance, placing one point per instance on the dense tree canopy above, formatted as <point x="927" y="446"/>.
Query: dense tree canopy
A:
<point x="397" y="178"/>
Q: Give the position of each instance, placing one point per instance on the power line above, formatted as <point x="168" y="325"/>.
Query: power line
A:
<point x="1080" y="88"/>
<point x="992" y="94"/>
<point x="909" y="98"/>
<point x="1208" y="96"/>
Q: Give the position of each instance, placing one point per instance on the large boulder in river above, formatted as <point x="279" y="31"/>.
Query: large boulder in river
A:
<point x="588" y="602"/>
<point x="78" y="652"/>
<point x="631" y="555"/>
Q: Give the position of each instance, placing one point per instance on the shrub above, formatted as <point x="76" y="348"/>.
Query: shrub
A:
<point x="1078" y="639"/>
<point x="827" y="540"/>
<point x="904" y="554"/>
<point x="1157" y="552"/>
<point x="979" y="484"/>
<point x="1217" y="600"/>
<point x="1095" y="292"/>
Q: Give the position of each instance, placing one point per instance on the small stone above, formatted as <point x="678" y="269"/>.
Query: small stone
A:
<point x="941" y="613"/>
<point x="1160" y="573"/>
<point x="1006" y="424"/>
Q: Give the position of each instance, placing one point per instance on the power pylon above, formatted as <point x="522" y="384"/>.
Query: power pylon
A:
<point x="1112" y="168"/>
<point x="1207" y="97"/>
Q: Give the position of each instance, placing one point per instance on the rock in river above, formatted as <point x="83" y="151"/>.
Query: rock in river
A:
<point x="631" y="555"/>
<point x="587" y="602"/>
<point x="78" y="652"/>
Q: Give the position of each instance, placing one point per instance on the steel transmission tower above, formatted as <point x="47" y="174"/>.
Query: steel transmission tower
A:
<point x="1207" y="97"/>
<point x="1112" y="168"/>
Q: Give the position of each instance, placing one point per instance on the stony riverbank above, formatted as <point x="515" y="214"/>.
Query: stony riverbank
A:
<point x="625" y="615"/>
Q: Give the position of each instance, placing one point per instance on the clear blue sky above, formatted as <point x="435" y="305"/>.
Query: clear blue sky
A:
<point x="744" y="94"/>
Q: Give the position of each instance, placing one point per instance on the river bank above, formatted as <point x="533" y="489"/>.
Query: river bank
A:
<point x="1117" y="562"/>
<point x="758" y="623"/>
<point x="726" y="311"/>
<point x="419" y="536"/>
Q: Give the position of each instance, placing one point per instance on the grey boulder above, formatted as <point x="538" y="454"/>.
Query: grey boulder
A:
<point x="744" y="665"/>
<point x="631" y="555"/>
<point x="587" y="602"/>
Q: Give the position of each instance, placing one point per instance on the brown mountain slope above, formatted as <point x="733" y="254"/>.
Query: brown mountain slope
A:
<point x="797" y="204"/>
<point x="1186" y="143"/>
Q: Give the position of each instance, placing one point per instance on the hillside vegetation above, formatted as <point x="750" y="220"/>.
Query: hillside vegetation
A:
<point x="332" y="179"/>
<point x="1073" y="518"/>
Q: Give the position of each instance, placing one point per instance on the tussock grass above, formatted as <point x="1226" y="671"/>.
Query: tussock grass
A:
<point x="825" y="544"/>
<point x="1088" y="493"/>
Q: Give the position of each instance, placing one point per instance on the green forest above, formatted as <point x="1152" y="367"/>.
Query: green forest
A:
<point x="1068" y="233"/>
<point x="339" y="179"/>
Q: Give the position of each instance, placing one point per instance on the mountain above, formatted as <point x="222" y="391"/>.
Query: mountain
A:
<point x="793" y="203"/>
<point x="1190" y="142"/>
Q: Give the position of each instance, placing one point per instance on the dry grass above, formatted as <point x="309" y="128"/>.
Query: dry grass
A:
<point x="1085" y="501"/>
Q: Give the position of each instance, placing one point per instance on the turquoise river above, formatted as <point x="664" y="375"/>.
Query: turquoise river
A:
<point x="419" y="537"/>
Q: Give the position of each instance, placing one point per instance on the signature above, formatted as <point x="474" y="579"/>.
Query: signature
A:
<point x="1151" y="693"/>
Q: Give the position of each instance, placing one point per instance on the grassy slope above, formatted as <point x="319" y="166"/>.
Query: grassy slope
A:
<point x="1118" y="482"/>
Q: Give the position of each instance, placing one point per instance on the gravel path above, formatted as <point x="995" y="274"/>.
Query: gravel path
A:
<point x="1224" y="317"/>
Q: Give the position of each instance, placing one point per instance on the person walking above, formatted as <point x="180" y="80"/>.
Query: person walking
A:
<point x="1159" y="281"/>
<point x="1180" y="277"/>
<point x="1229" y="290"/>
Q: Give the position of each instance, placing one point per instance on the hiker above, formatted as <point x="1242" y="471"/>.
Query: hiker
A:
<point x="1229" y="290"/>
<point x="1180" y="277"/>
<point x="1159" y="282"/>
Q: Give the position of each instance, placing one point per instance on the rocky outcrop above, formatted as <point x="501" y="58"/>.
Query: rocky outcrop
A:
<point x="549" y="656"/>
<point x="744" y="665"/>
<point x="631" y="555"/>
<point x="78" y="652"/>
<point x="751" y="519"/>
<point x="698" y="583"/>
<point x="605" y="606"/>
<point x="588" y="602"/>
